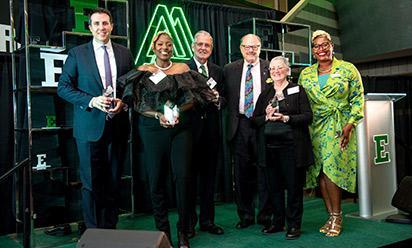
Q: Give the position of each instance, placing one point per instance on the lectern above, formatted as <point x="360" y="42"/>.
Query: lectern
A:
<point x="376" y="156"/>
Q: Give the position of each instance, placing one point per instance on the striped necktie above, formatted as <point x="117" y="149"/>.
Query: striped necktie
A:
<point x="203" y="70"/>
<point x="248" y="107"/>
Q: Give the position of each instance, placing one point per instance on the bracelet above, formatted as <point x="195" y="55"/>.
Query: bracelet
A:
<point x="156" y="116"/>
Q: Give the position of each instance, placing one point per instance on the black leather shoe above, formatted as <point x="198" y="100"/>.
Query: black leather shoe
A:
<point x="190" y="234"/>
<point x="59" y="230"/>
<point x="213" y="229"/>
<point x="183" y="241"/>
<point x="272" y="229"/>
<point x="244" y="223"/>
<point x="293" y="233"/>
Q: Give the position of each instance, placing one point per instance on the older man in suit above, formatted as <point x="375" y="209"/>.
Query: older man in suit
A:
<point x="100" y="123"/>
<point x="244" y="80"/>
<point x="206" y="135"/>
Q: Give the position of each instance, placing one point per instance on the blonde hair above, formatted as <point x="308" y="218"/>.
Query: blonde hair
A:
<point x="318" y="33"/>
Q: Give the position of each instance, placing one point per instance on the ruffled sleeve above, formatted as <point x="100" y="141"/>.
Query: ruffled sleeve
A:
<point x="195" y="86"/>
<point x="130" y="85"/>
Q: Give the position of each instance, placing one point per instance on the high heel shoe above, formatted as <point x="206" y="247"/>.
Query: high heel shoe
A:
<point x="183" y="241"/>
<point x="336" y="225"/>
<point x="325" y="228"/>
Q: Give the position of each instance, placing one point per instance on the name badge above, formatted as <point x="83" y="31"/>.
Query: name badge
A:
<point x="211" y="83"/>
<point x="293" y="90"/>
<point x="335" y="75"/>
<point x="157" y="77"/>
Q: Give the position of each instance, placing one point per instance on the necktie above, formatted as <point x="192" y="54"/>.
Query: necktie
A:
<point x="248" y="107"/>
<point x="108" y="77"/>
<point x="107" y="69"/>
<point x="203" y="70"/>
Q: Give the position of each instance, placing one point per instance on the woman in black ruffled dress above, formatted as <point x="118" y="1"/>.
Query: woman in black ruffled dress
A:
<point x="167" y="138"/>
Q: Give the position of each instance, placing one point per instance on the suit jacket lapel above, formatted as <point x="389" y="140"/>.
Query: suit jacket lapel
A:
<point x="192" y="64"/>
<point x="93" y="64"/>
<point x="238" y="68"/>
<point x="264" y="73"/>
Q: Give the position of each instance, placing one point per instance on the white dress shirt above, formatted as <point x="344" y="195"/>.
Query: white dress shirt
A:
<point x="256" y="85"/>
<point x="99" y="56"/>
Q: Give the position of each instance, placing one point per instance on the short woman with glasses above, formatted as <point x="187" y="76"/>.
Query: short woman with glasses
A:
<point x="335" y="92"/>
<point x="282" y="115"/>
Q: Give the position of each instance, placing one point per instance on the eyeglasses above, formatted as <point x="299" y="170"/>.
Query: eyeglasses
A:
<point x="276" y="68"/>
<point x="324" y="46"/>
<point x="254" y="47"/>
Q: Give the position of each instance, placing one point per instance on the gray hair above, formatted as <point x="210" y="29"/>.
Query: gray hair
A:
<point x="282" y="59"/>
<point x="202" y="32"/>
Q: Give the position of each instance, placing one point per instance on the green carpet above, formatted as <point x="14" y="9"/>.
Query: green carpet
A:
<point x="356" y="232"/>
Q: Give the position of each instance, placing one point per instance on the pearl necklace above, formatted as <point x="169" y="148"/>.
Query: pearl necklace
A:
<point x="164" y="68"/>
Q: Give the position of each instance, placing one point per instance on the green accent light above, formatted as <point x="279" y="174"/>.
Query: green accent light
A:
<point x="81" y="19"/>
<point x="173" y="22"/>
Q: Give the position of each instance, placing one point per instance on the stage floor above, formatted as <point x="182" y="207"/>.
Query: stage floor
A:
<point x="356" y="232"/>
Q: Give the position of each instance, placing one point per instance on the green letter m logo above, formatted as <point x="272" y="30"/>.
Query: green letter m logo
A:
<point x="174" y="23"/>
<point x="381" y="156"/>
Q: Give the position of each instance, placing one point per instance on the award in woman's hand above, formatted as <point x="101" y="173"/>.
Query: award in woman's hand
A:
<point x="171" y="112"/>
<point x="275" y="104"/>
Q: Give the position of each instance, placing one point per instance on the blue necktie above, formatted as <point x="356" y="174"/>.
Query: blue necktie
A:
<point x="107" y="69"/>
<point x="248" y="107"/>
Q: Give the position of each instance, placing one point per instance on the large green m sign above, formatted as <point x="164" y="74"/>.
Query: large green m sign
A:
<point x="382" y="156"/>
<point x="173" y="22"/>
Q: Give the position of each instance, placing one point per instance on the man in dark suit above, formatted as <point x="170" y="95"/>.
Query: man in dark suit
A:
<point x="244" y="80"/>
<point x="100" y="123"/>
<point x="206" y="135"/>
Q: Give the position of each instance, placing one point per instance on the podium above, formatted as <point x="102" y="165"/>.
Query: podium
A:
<point x="376" y="156"/>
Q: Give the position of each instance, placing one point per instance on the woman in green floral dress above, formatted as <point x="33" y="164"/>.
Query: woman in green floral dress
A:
<point x="335" y="91"/>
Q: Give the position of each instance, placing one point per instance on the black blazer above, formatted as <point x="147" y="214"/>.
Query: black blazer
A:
<point x="215" y="72"/>
<point x="80" y="81"/>
<point x="210" y="113"/>
<point x="300" y="113"/>
<point x="232" y="74"/>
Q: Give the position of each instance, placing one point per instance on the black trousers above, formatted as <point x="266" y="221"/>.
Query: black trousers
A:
<point x="282" y="174"/>
<point x="206" y="144"/>
<point x="101" y="165"/>
<point x="249" y="178"/>
<point x="165" y="148"/>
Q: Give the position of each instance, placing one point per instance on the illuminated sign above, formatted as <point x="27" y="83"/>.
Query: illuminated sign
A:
<point x="81" y="18"/>
<point x="173" y="22"/>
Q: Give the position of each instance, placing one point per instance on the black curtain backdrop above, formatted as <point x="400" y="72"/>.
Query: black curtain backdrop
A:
<point x="403" y="117"/>
<point x="6" y="142"/>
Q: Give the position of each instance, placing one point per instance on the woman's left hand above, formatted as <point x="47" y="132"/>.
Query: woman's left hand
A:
<point x="118" y="106"/>
<point x="346" y="134"/>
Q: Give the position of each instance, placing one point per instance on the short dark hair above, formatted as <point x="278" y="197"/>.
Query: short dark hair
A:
<point x="100" y="11"/>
